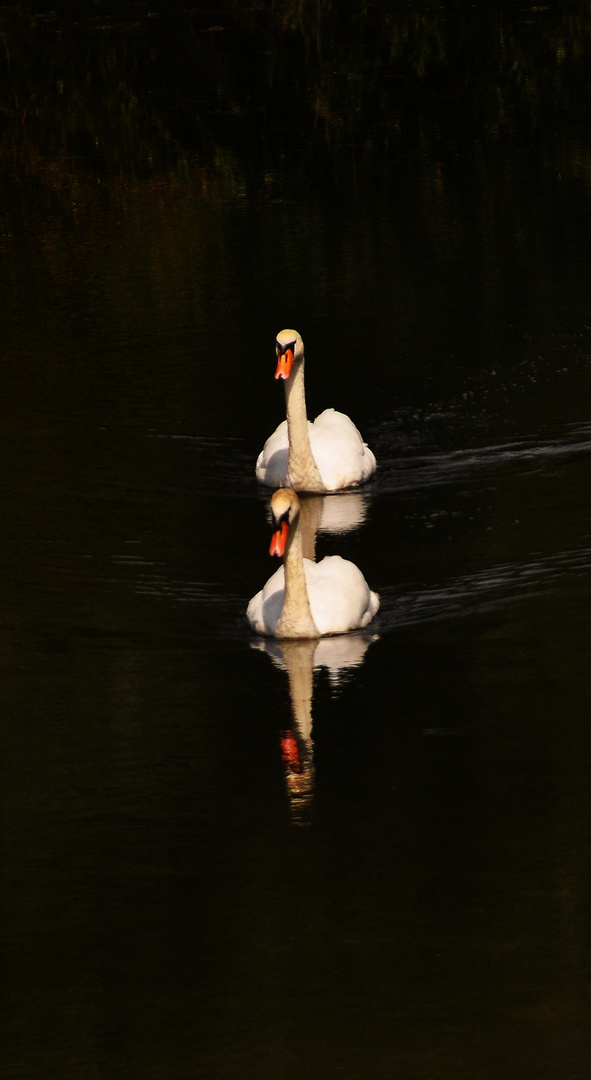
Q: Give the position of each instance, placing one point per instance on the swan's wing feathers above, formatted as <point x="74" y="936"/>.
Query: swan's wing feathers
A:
<point x="271" y="466"/>
<point x="342" y="457"/>
<point x="340" y="597"/>
<point x="264" y="610"/>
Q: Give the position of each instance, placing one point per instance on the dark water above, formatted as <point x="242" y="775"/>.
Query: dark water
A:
<point x="410" y="190"/>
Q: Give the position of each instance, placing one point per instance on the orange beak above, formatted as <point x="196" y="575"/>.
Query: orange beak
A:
<point x="279" y="540"/>
<point x="284" y="362"/>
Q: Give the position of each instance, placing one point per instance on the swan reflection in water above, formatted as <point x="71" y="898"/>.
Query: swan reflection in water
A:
<point x="340" y="655"/>
<point x="340" y="513"/>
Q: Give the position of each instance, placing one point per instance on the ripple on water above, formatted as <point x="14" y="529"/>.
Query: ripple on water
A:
<point x="483" y="590"/>
<point x="419" y="471"/>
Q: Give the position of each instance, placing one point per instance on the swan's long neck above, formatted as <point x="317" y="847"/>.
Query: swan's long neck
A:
<point x="302" y="470"/>
<point x="296" y="617"/>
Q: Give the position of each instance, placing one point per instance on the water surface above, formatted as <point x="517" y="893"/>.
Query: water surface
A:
<point x="370" y="858"/>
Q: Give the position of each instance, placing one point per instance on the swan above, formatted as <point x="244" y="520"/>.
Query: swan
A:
<point x="329" y="454"/>
<point x="305" y="599"/>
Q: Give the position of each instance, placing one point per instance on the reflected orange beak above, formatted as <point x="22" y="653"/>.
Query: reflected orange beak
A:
<point x="290" y="753"/>
<point x="279" y="540"/>
<point x="284" y="362"/>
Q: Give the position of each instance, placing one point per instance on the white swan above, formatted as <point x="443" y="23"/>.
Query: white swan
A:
<point x="327" y="455"/>
<point x="304" y="599"/>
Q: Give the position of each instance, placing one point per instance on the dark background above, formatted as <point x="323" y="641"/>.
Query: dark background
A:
<point x="408" y="186"/>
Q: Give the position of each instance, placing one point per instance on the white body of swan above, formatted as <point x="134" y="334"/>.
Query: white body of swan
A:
<point x="326" y="455"/>
<point x="304" y="599"/>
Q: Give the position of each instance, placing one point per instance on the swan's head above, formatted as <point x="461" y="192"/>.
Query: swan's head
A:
<point x="285" y="507"/>
<point x="289" y="347"/>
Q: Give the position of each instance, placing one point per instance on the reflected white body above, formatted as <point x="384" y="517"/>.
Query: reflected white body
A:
<point x="339" y="654"/>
